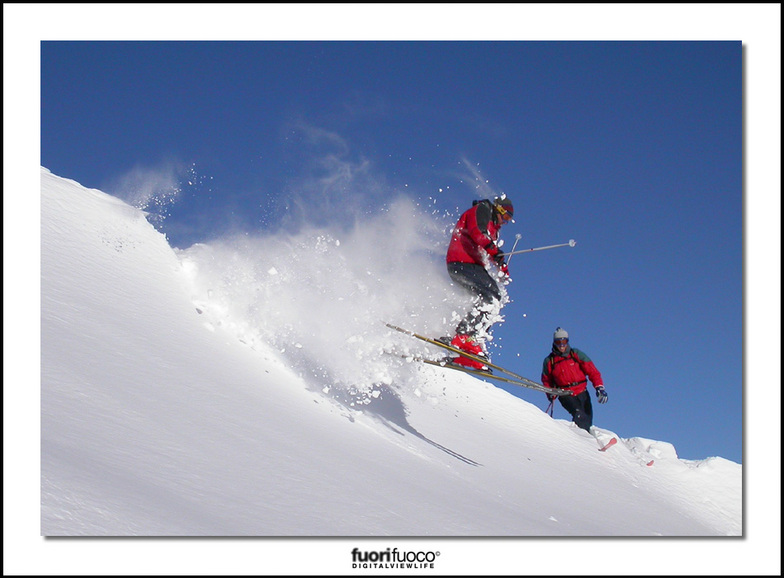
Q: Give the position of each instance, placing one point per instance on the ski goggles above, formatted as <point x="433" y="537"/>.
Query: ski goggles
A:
<point x="560" y="341"/>
<point x="506" y="216"/>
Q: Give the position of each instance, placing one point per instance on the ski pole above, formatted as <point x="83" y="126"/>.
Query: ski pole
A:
<point x="571" y="243"/>
<point x="518" y="236"/>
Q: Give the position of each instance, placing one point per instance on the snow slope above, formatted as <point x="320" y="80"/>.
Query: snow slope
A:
<point x="244" y="388"/>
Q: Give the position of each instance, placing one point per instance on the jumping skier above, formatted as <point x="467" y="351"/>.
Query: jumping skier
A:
<point x="569" y="368"/>
<point x="472" y="251"/>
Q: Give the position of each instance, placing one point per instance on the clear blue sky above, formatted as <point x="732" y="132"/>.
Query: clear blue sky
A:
<point x="633" y="149"/>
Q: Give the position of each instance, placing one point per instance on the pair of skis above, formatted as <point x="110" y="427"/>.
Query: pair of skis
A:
<point x="508" y="377"/>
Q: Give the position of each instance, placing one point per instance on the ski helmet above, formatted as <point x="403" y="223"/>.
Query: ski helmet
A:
<point x="504" y="206"/>
<point x="560" y="333"/>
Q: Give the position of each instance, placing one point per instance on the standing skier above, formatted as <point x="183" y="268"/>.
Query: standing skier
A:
<point x="472" y="250"/>
<point x="570" y="368"/>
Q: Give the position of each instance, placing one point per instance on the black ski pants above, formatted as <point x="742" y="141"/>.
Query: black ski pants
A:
<point x="579" y="407"/>
<point x="478" y="281"/>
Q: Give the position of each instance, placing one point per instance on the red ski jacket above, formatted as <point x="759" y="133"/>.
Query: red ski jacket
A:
<point x="570" y="371"/>
<point x="474" y="235"/>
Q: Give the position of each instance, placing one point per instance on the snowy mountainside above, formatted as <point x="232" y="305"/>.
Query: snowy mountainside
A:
<point x="245" y="388"/>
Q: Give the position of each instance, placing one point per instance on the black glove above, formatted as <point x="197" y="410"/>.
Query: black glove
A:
<point x="601" y="395"/>
<point x="551" y="396"/>
<point x="499" y="258"/>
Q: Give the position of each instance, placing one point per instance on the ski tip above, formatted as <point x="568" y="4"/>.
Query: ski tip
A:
<point x="610" y="444"/>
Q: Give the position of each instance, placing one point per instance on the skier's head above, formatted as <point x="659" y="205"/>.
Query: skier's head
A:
<point x="504" y="209"/>
<point x="560" y="339"/>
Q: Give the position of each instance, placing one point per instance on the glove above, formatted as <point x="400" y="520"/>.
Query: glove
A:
<point x="601" y="395"/>
<point x="493" y="250"/>
<point x="550" y="397"/>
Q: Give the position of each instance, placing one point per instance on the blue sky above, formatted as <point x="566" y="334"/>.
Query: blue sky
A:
<point x="632" y="148"/>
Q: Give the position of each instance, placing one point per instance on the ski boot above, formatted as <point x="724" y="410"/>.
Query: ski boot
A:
<point x="468" y="344"/>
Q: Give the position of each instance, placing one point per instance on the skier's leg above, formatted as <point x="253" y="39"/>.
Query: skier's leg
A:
<point x="587" y="408"/>
<point x="581" y="412"/>
<point x="478" y="281"/>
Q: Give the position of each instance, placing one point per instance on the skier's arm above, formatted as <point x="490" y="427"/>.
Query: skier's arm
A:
<point x="546" y="378"/>
<point x="589" y="369"/>
<point x="476" y="225"/>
